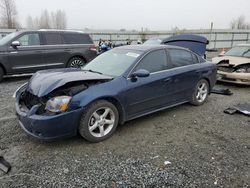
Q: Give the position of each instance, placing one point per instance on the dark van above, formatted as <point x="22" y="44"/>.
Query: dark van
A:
<point x="30" y="51"/>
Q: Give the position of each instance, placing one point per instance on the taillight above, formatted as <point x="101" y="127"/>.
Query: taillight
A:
<point x="93" y="48"/>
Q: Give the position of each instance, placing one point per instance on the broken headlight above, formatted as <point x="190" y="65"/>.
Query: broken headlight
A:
<point x="243" y="69"/>
<point x="58" y="104"/>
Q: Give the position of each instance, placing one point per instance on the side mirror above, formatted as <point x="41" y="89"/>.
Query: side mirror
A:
<point x="15" y="44"/>
<point x="140" y="73"/>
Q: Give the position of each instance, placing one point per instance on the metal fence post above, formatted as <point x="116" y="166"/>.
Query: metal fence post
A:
<point x="232" y="41"/>
<point x="215" y="39"/>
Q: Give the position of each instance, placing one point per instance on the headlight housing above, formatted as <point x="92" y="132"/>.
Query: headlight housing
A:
<point x="243" y="69"/>
<point x="58" y="104"/>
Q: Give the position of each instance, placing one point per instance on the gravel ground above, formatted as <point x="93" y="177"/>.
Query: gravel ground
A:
<point x="206" y="148"/>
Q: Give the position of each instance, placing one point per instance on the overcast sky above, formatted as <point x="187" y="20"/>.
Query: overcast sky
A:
<point x="134" y="14"/>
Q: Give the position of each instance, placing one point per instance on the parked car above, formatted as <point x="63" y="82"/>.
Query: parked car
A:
<point x="31" y="51"/>
<point x="119" y="85"/>
<point x="234" y="65"/>
<point x="194" y="43"/>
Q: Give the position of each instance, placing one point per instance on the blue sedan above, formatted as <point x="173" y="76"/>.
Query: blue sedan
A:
<point x="122" y="84"/>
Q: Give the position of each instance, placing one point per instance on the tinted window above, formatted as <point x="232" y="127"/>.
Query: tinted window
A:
<point x="180" y="58"/>
<point x="195" y="58"/>
<point x="53" y="38"/>
<point x="29" y="39"/>
<point x="75" y="38"/>
<point x="154" y="61"/>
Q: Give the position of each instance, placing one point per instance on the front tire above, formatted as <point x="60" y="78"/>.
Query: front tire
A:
<point x="99" y="121"/>
<point x="200" y="93"/>
<point x="1" y="74"/>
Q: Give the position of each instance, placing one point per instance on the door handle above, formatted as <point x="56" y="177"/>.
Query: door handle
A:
<point x="167" y="79"/>
<point x="38" y="51"/>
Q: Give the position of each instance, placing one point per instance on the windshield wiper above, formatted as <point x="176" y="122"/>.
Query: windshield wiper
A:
<point x="92" y="71"/>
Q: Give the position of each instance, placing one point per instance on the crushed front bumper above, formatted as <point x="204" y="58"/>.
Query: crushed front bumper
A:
<point x="237" y="78"/>
<point x="48" y="127"/>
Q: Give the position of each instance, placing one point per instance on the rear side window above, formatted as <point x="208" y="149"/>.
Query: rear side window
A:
<point x="76" y="38"/>
<point x="154" y="61"/>
<point x="29" y="39"/>
<point x="180" y="58"/>
<point x="53" y="38"/>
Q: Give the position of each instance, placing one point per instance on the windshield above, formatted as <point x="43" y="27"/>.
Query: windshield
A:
<point x="239" y="51"/>
<point x="114" y="62"/>
<point x="153" y="42"/>
<point x="7" y="38"/>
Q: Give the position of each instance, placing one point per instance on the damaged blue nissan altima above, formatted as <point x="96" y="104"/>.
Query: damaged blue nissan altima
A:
<point x="122" y="84"/>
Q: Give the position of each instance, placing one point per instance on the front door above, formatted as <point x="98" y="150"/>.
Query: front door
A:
<point x="152" y="92"/>
<point x="28" y="57"/>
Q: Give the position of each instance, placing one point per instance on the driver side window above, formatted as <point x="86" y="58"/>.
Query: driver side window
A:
<point x="29" y="39"/>
<point x="154" y="61"/>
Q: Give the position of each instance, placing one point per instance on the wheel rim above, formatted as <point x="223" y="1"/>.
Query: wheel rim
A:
<point x="101" y="122"/>
<point x="202" y="91"/>
<point x="77" y="63"/>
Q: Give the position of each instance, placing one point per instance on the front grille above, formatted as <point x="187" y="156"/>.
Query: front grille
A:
<point x="30" y="100"/>
<point x="225" y="69"/>
<point x="229" y="79"/>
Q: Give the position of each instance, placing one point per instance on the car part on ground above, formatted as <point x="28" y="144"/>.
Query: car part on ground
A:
<point x="121" y="84"/>
<point x="4" y="165"/>
<point x="221" y="91"/>
<point x="240" y="108"/>
<point x="234" y="66"/>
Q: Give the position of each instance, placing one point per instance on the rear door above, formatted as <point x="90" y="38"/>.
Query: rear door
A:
<point x="150" y="93"/>
<point x="186" y="68"/>
<point x="28" y="57"/>
<point x="56" y="52"/>
<point x="80" y="44"/>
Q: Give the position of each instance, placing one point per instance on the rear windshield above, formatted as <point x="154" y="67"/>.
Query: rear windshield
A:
<point x="153" y="42"/>
<point x="77" y="38"/>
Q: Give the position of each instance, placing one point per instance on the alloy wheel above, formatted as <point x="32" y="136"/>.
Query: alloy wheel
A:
<point x="101" y="122"/>
<point x="77" y="63"/>
<point x="202" y="92"/>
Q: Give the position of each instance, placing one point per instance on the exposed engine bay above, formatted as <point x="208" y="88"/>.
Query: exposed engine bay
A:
<point x="28" y="100"/>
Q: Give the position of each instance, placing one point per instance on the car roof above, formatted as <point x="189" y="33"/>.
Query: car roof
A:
<point x="53" y="30"/>
<point x="145" y="48"/>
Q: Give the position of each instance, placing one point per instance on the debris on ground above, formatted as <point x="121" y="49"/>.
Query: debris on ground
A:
<point x="4" y="165"/>
<point x="167" y="162"/>
<point x="240" y="108"/>
<point x="221" y="91"/>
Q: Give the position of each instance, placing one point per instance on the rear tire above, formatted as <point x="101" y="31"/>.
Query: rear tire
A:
<point x="200" y="93"/>
<point x="99" y="121"/>
<point x="1" y="74"/>
<point x="76" y="62"/>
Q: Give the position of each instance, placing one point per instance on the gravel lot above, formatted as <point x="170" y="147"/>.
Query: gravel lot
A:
<point x="206" y="148"/>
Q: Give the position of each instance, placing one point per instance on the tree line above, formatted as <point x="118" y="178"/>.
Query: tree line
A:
<point x="58" y="19"/>
<point x="47" y="20"/>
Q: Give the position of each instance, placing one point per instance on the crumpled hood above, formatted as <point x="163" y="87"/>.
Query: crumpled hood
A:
<point x="43" y="82"/>
<point x="232" y="60"/>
